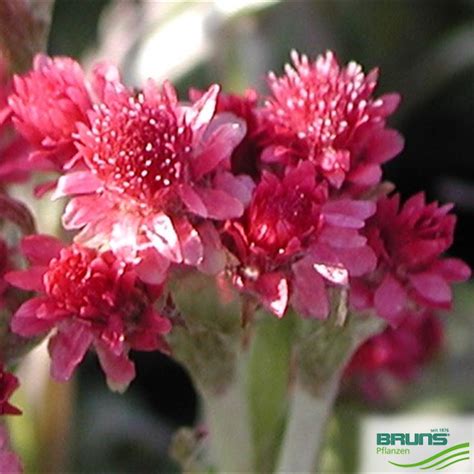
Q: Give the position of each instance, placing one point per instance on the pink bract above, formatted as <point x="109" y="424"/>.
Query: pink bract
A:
<point x="90" y="299"/>
<point x="154" y="170"/>
<point x="293" y="242"/>
<point x="327" y="114"/>
<point x="408" y="242"/>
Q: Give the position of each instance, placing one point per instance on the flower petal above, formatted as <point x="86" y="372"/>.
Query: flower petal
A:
<point x="432" y="287"/>
<point x="153" y="267"/>
<point x="452" y="269"/>
<point x="384" y="145"/>
<point x="67" y="349"/>
<point x="365" y="175"/>
<point x="219" y="204"/>
<point x="39" y="249"/>
<point x="240" y="187"/>
<point x="83" y="210"/>
<point x="390" y="300"/>
<point x="214" y="257"/>
<point x="202" y="111"/>
<point x="388" y="103"/>
<point x="119" y="369"/>
<point x="309" y="292"/>
<point x="30" y="280"/>
<point x="26" y="322"/>
<point x="79" y="182"/>
<point x="192" y="200"/>
<point x="162" y="234"/>
<point x="273" y="289"/>
<point x="123" y="238"/>
<point x="217" y="146"/>
<point x="348" y="212"/>
<point x="341" y="237"/>
<point x="358" y="261"/>
<point x="190" y="241"/>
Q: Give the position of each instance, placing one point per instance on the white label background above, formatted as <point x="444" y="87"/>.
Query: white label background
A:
<point x="461" y="430"/>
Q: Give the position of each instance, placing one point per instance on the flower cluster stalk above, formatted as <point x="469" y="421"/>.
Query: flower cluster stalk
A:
<point x="229" y="423"/>
<point x="316" y="386"/>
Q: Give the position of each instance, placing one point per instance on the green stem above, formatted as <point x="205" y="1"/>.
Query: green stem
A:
<point x="229" y="424"/>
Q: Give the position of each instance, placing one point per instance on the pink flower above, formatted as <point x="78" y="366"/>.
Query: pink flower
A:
<point x="8" y="384"/>
<point x="408" y="242"/>
<point x="14" y="164"/>
<point x="9" y="461"/>
<point x="326" y="114"/>
<point x="47" y="103"/>
<point x="91" y="299"/>
<point x="154" y="170"/>
<point x="398" y="353"/>
<point x="294" y="243"/>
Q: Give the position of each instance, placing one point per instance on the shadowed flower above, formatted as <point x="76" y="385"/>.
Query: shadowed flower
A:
<point x="326" y="114"/>
<point x="154" y="168"/>
<point x="399" y="353"/>
<point x="91" y="299"/>
<point x="408" y="242"/>
<point x="293" y="242"/>
<point x="47" y="103"/>
<point x="8" y="384"/>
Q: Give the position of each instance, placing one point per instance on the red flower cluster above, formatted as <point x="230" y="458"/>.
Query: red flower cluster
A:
<point x="397" y="353"/>
<point x="294" y="240"/>
<point x="46" y="105"/>
<point x="410" y="271"/>
<point x="281" y="194"/>
<point x="326" y="114"/>
<point x="91" y="298"/>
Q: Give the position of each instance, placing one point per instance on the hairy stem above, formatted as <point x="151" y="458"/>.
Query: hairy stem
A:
<point x="229" y="424"/>
<point x="306" y="427"/>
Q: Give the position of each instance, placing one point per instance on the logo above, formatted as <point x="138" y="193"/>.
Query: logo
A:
<point x="417" y="444"/>
<point x="408" y="439"/>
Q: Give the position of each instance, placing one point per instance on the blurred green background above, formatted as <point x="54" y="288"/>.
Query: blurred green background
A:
<point x="425" y="50"/>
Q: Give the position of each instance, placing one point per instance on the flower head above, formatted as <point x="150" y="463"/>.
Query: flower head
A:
<point x="294" y="242"/>
<point x="91" y="299"/>
<point x="152" y="169"/>
<point x="327" y="114"/>
<point x="408" y="242"/>
<point x="47" y="103"/>
<point x="398" y="353"/>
